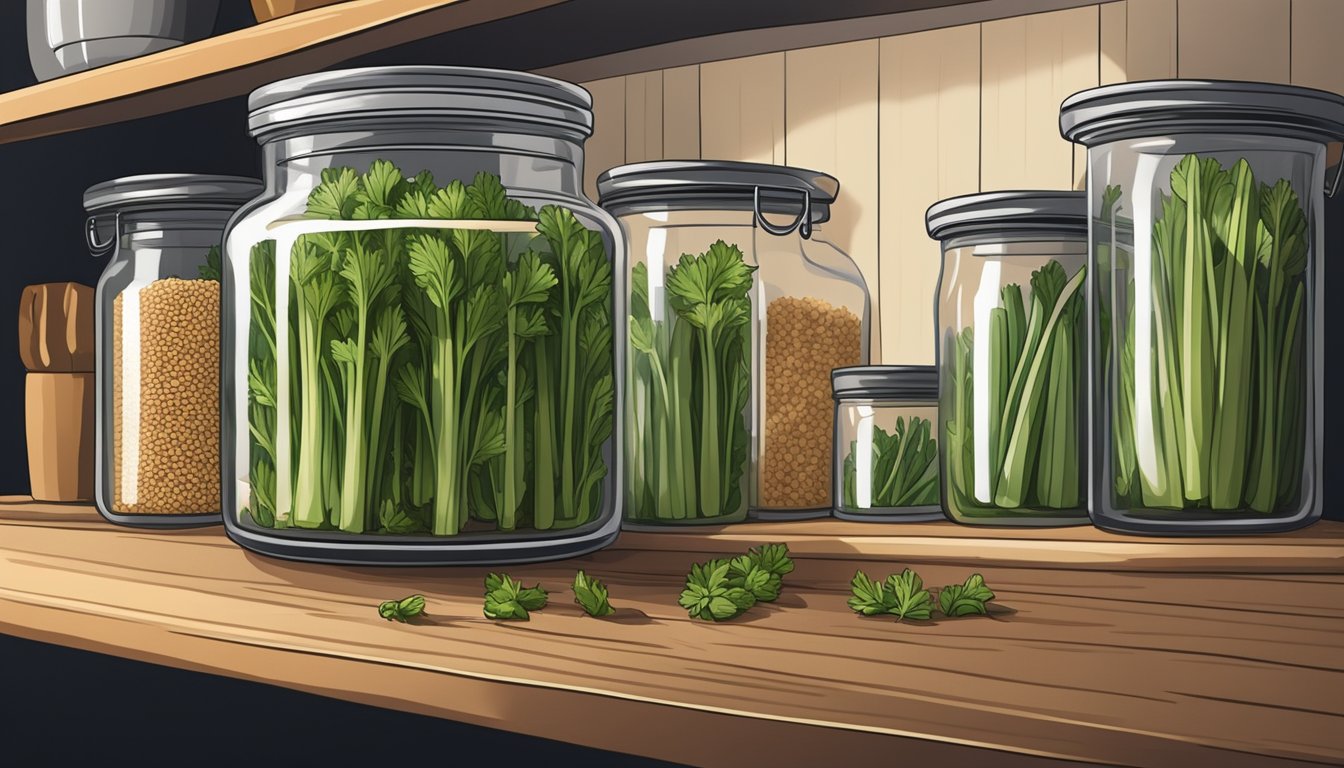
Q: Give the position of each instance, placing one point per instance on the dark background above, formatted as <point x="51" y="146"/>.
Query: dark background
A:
<point x="61" y="706"/>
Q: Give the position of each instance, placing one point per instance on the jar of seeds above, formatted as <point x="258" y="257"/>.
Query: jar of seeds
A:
<point x="158" y="343"/>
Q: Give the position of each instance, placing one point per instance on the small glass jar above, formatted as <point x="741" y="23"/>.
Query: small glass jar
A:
<point x="1011" y="357"/>
<point x="735" y="325"/>
<point x="886" y="443"/>
<point x="420" y="328"/>
<point x="158" y="313"/>
<point x="1208" y="220"/>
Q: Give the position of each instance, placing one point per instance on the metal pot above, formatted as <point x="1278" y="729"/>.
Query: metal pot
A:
<point x="83" y="34"/>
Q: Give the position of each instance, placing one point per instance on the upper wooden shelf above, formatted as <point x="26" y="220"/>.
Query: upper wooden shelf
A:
<point x="1100" y="649"/>
<point x="612" y="36"/>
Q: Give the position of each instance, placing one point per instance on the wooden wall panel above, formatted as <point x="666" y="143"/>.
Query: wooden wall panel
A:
<point x="606" y="148"/>
<point x="929" y="119"/>
<point x="1029" y="65"/>
<point x="681" y="113"/>
<point x="1234" y="39"/>
<point x="644" y="117"/>
<point x="1150" y="50"/>
<point x="742" y="109"/>
<point x="1318" y="44"/>
<point x="1113" y="63"/>
<point x="831" y="113"/>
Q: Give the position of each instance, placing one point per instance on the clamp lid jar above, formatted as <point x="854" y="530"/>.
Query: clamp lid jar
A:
<point x="886" y="446"/>
<point x="739" y="310"/>
<point x="1011" y="356"/>
<point x="158" y="319"/>
<point x="420" y="329"/>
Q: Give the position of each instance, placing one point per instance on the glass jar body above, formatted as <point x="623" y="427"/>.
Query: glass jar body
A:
<point x="428" y="379"/>
<point x="1011" y="356"/>
<point x="1206" y="331"/>
<point x="886" y="460"/>
<point x="158" y="327"/>
<point x="760" y="444"/>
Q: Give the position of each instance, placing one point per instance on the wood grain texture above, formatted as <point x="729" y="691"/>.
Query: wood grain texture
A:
<point x="644" y="117"/>
<point x="59" y="430"/>
<point x="1235" y="39"/>
<point x="265" y="10"/>
<point x="681" y="113"/>
<point x="56" y="327"/>
<point x="742" y="109"/>
<point x="832" y="105"/>
<point x="929" y="116"/>
<point x="1114" y="62"/>
<point x="1030" y="64"/>
<point x="1316" y="50"/>
<point x="606" y="148"/>
<point x="235" y="63"/>
<point x="1151" y="667"/>
<point x="1150" y="40"/>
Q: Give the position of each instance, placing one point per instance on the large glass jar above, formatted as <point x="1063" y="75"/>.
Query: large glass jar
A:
<point x="157" y="354"/>
<point x="886" y="443"/>
<point x="735" y="325"/>
<point x="1206" y="203"/>
<point x="1011" y="355"/>
<point x="420" y="329"/>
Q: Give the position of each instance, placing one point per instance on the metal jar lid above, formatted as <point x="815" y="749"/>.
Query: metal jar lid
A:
<point x="474" y="98"/>
<point x="1043" y="212"/>
<point x="175" y="190"/>
<point x="885" y="382"/>
<point x="698" y="185"/>
<point x="1162" y="107"/>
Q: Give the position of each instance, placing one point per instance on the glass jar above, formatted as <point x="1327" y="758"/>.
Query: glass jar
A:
<point x="157" y="354"/>
<point x="886" y="443"/>
<point x="735" y="326"/>
<point x="420" y="340"/>
<point x="1206" y="202"/>
<point x="1010" y="355"/>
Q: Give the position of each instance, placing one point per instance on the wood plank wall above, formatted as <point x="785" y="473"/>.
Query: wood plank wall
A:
<point x="904" y="121"/>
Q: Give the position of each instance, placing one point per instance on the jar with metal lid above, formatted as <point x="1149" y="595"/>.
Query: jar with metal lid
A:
<point x="1207" y="207"/>
<point x="886" y="443"/>
<point x="420" y="334"/>
<point x="735" y="325"/>
<point x="157" y="354"/>
<point x="1011" y="355"/>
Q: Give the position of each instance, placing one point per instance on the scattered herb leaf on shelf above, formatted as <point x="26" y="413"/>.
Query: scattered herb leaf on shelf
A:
<point x="965" y="599"/>
<point x="870" y="598"/>
<point x="773" y="558"/>
<point x="506" y="598"/>
<point x="912" y="599"/>
<point x="404" y="609"/>
<point x="591" y="595"/>
<point x="725" y="588"/>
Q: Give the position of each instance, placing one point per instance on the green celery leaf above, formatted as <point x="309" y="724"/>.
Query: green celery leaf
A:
<point x="591" y="595"/>
<point x="912" y="600"/>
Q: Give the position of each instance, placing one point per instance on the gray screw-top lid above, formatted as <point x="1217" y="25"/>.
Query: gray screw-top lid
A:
<point x="1022" y="211"/>
<point x="478" y="99"/>
<point x="180" y="190"/>
<point x="895" y="382"/>
<point x="683" y="185"/>
<point x="1162" y="107"/>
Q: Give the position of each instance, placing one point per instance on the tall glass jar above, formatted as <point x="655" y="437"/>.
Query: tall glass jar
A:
<point x="1206" y="203"/>
<point x="420" y="337"/>
<point x="1011" y="354"/>
<point x="157" y="354"/>
<point x="735" y="325"/>
<point x="886" y="443"/>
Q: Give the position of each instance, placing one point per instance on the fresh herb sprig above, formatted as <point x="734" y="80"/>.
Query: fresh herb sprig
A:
<point x="966" y="598"/>
<point x="591" y="595"/>
<point x="402" y="610"/>
<point x="903" y="595"/>
<point x="507" y="599"/>
<point x="723" y="589"/>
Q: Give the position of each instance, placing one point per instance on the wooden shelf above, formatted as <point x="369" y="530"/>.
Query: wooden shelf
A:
<point x="616" y="36"/>
<point x="1101" y="648"/>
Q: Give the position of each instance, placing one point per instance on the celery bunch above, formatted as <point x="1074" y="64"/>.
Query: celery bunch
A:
<point x="1220" y="422"/>
<point x="1031" y="459"/>
<point x="438" y="376"/>
<point x="904" y="467"/>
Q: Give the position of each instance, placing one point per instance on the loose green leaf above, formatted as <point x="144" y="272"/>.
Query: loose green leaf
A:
<point x="912" y="600"/>
<point x="773" y="558"/>
<point x="402" y="610"/>
<point x="965" y="599"/>
<point x="506" y="598"/>
<point x="870" y="598"/>
<point x="591" y="595"/>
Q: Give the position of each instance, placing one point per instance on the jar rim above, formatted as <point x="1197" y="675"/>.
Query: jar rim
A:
<point x="474" y="97"/>
<point x="1045" y="212"/>
<point x="1159" y="107"/>
<point x="909" y="382"/>
<point x="185" y="190"/>
<point x="685" y="185"/>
